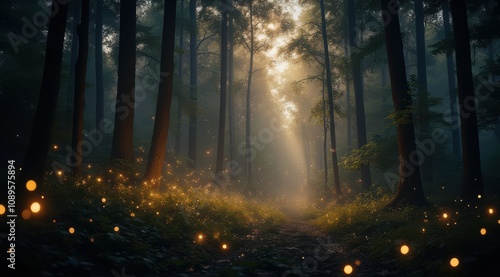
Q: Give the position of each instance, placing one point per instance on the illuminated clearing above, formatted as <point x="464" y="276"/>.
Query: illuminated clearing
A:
<point x="483" y="231"/>
<point x="71" y="230"/>
<point x="405" y="249"/>
<point x="31" y="185"/>
<point x="348" y="269"/>
<point x="454" y="262"/>
<point x="35" y="207"/>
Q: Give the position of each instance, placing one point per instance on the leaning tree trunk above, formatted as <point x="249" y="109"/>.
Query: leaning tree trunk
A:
<point x="472" y="185"/>
<point x="39" y="143"/>
<point x="99" y="82"/>
<point x="223" y="93"/>
<point x="409" y="187"/>
<point x="248" y="112"/>
<point x="122" y="145"/>
<point x="451" y="81"/>
<point x="333" y="142"/>
<point x="165" y="92"/>
<point x="357" y="77"/>
<point x="423" y="102"/>
<point x="79" y="99"/>
<point x="193" y="75"/>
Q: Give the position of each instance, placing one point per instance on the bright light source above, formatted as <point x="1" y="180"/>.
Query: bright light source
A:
<point x="35" y="207"/>
<point x="445" y="215"/>
<point x="224" y="246"/>
<point x="59" y="172"/>
<point x="405" y="249"/>
<point x="348" y="269"/>
<point x="454" y="262"/>
<point x="200" y="237"/>
<point x="103" y="200"/>
<point x="71" y="230"/>
<point x="2" y="210"/>
<point x="31" y="185"/>
<point x="483" y="231"/>
<point x="490" y="211"/>
<point x="116" y="229"/>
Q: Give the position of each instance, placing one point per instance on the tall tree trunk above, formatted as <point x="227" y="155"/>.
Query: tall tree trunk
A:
<point x="348" y="103"/>
<point x="409" y="189"/>
<point x="333" y="142"/>
<point x="79" y="99"/>
<point x="99" y="82"/>
<point x="39" y="143"/>
<point x="357" y="77"/>
<point x="165" y="92"/>
<point x="193" y="75"/>
<point x="76" y="9"/>
<point x="223" y="93"/>
<point x="122" y="146"/>
<point x="230" y="79"/>
<point x="472" y="185"/>
<point x="325" y="137"/>
<point x="307" y="155"/>
<point x="451" y="82"/>
<point x="427" y="175"/>
<point x="178" y="130"/>
<point x="249" y="89"/>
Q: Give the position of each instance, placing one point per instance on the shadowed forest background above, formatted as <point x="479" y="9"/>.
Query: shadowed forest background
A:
<point x="244" y="138"/>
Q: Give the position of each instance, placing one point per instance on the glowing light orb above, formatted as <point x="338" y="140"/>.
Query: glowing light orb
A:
<point x="483" y="231"/>
<point x="71" y="230"/>
<point x="55" y="147"/>
<point x="490" y="211"/>
<point x="200" y="237"/>
<point x="224" y="246"/>
<point x="99" y="180"/>
<point x="445" y="215"/>
<point x="116" y="229"/>
<point x="348" y="269"/>
<point x="31" y="185"/>
<point x="479" y="196"/>
<point x="26" y="214"/>
<point x="357" y="262"/>
<point x="132" y="215"/>
<point x="405" y="249"/>
<point x="35" y="207"/>
<point x="454" y="262"/>
<point x="59" y="172"/>
<point x="103" y="200"/>
<point x="2" y="209"/>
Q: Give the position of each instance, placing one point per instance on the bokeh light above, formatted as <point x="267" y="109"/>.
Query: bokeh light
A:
<point x="405" y="249"/>
<point x="35" y="207"/>
<point x="71" y="230"/>
<point x="348" y="269"/>
<point x="454" y="262"/>
<point x="445" y="215"/>
<point x="103" y="200"/>
<point x="2" y="209"/>
<point x="26" y="214"/>
<point x="31" y="185"/>
<point x="116" y="229"/>
<point x="224" y="246"/>
<point x="483" y="231"/>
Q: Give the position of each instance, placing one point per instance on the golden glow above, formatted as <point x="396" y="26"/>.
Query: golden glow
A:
<point x="479" y="196"/>
<point x="35" y="207"/>
<point x="483" y="231"/>
<point x="200" y="237"/>
<point x="103" y="200"/>
<point x="445" y="215"/>
<point x="99" y="180"/>
<point x="405" y="249"/>
<point x="31" y="185"/>
<point x="454" y="262"/>
<point x="71" y="230"/>
<point x="224" y="246"/>
<point x="357" y="262"/>
<point x="2" y="209"/>
<point x="490" y="211"/>
<point x="132" y="215"/>
<point x="59" y="172"/>
<point x="116" y="229"/>
<point x="26" y="214"/>
<point x="348" y="269"/>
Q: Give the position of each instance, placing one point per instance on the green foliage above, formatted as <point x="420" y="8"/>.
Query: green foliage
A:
<point x="380" y="152"/>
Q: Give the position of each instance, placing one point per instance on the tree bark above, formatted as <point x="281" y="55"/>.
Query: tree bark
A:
<point x="76" y="9"/>
<point x="122" y="145"/>
<point x="223" y="93"/>
<point x="409" y="187"/>
<point x="193" y="75"/>
<point x="178" y="130"/>
<point x="472" y="184"/>
<point x="248" y="111"/>
<point x="39" y="143"/>
<point x="357" y="77"/>
<point x="452" y="92"/>
<point x="325" y="138"/>
<point x="333" y="142"/>
<point x="230" y="79"/>
<point x="165" y="92"/>
<point x="79" y="99"/>
<point x="348" y="103"/>
<point x="99" y="85"/>
<point x="427" y="175"/>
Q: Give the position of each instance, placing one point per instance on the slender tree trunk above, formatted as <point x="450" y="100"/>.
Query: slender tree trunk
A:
<point x="472" y="185"/>
<point x="193" y="75"/>
<point x="122" y="146"/>
<point x="79" y="99"/>
<point x="427" y="175"/>
<point x="232" y="139"/>
<point x="165" y="92"/>
<point x="409" y="188"/>
<point x="452" y="92"/>
<point x="249" y="89"/>
<point x="348" y="103"/>
<point x="223" y="94"/>
<point x="307" y="155"/>
<point x="357" y="77"/>
<point x="39" y="143"/>
<point x="99" y="90"/>
<point x="333" y="142"/>
<point x="325" y="137"/>
<point x="76" y="9"/>
<point x="180" y="74"/>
